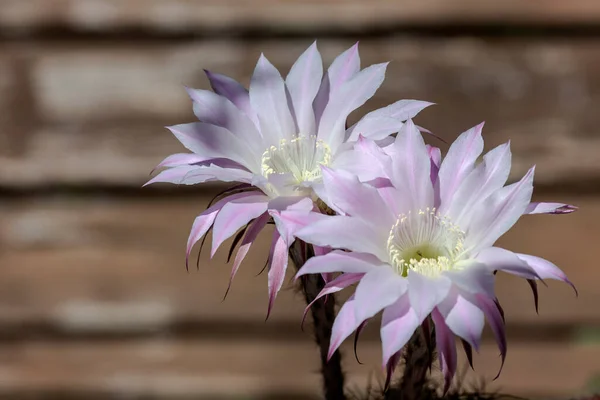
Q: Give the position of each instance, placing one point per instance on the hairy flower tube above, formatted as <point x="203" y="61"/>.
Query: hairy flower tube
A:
<point x="273" y="139"/>
<point x="419" y="241"/>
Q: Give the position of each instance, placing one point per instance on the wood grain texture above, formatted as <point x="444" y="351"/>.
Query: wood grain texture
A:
<point x="204" y="369"/>
<point x="209" y="16"/>
<point x="119" y="266"/>
<point x="83" y="114"/>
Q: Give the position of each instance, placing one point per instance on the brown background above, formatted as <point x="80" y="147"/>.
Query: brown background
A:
<point x="94" y="298"/>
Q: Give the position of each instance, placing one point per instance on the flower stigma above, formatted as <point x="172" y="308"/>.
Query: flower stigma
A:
<point x="424" y="242"/>
<point x="300" y="157"/>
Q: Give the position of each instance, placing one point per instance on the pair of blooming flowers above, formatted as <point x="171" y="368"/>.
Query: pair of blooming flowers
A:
<point x="415" y="233"/>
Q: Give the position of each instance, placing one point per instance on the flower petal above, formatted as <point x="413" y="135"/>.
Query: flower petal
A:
<point x="426" y="293"/>
<point x="344" y="67"/>
<point x="174" y="175"/>
<point x="204" y="221"/>
<point x="345" y="323"/>
<point x="234" y="215"/>
<point x="351" y="95"/>
<point x="366" y="160"/>
<point x="303" y="83"/>
<point x="498" y="259"/>
<point x="459" y="161"/>
<point x="348" y="233"/>
<point x="216" y="110"/>
<point x="411" y="170"/>
<point x="446" y="348"/>
<point x="549" y="208"/>
<point x="252" y="232"/>
<point x="379" y="288"/>
<point x="268" y="97"/>
<point x="355" y="198"/>
<point x="463" y="316"/>
<point x="498" y="213"/>
<point x="176" y="160"/>
<point x="483" y="180"/>
<point x="473" y="276"/>
<point x="334" y="286"/>
<point x="211" y="141"/>
<point x="398" y="323"/>
<point x="339" y="261"/>
<point x="278" y="262"/>
<point x="215" y="173"/>
<point x="234" y="92"/>
<point x="545" y="269"/>
<point x="496" y="321"/>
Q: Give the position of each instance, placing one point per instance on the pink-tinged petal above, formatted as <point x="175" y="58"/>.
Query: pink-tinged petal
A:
<point x="401" y="110"/>
<point x="345" y="323"/>
<point x="303" y="83"/>
<point x="215" y="173"/>
<point x="375" y="128"/>
<point x="204" y="221"/>
<point x="411" y="170"/>
<point x="252" y="232"/>
<point x="278" y="262"/>
<point x="355" y="198"/>
<point x="234" y="215"/>
<point x="379" y="288"/>
<point x="499" y="212"/>
<point x="498" y="259"/>
<point x="473" y="277"/>
<point x="348" y="233"/>
<point x="174" y="175"/>
<point x="334" y="286"/>
<point x="459" y="161"/>
<point x="483" y="180"/>
<point x="435" y="155"/>
<point x="340" y="261"/>
<point x="211" y="141"/>
<point x="176" y="160"/>
<point x="291" y="203"/>
<point x="234" y="91"/>
<point x="367" y="160"/>
<point x="216" y="110"/>
<point x="390" y="368"/>
<point x="545" y="269"/>
<point x="268" y="97"/>
<point x="463" y="316"/>
<point x="446" y="348"/>
<point x="398" y="323"/>
<point x="344" y="67"/>
<point x="426" y="293"/>
<point x="496" y="321"/>
<point x="351" y="95"/>
<point x="387" y="120"/>
<point x="289" y="222"/>
<point x="549" y="208"/>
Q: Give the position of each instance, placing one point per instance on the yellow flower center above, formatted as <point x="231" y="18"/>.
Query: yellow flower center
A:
<point x="424" y="242"/>
<point x="301" y="157"/>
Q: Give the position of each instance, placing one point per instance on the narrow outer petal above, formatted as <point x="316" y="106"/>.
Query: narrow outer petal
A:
<point x="234" y="91"/>
<point x="344" y="67"/>
<point x="277" y="267"/>
<point x="339" y="261"/>
<point x="234" y="215"/>
<point x="446" y="348"/>
<point x="303" y="83"/>
<point x="459" y="161"/>
<point x="550" y="208"/>
<point x="345" y="323"/>
<point x="351" y="95"/>
<point x="268" y="97"/>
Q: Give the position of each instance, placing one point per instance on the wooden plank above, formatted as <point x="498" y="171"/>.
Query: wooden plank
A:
<point x="209" y="16"/>
<point x="79" y="114"/>
<point x="166" y="368"/>
<point x="117" y="266"/>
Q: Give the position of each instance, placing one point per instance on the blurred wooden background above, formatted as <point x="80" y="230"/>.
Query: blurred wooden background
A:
<point x="95" y="302"/>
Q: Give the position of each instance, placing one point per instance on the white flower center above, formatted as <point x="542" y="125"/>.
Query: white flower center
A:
<point x="301" y="157"/>
<point x="424" y="242"/>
